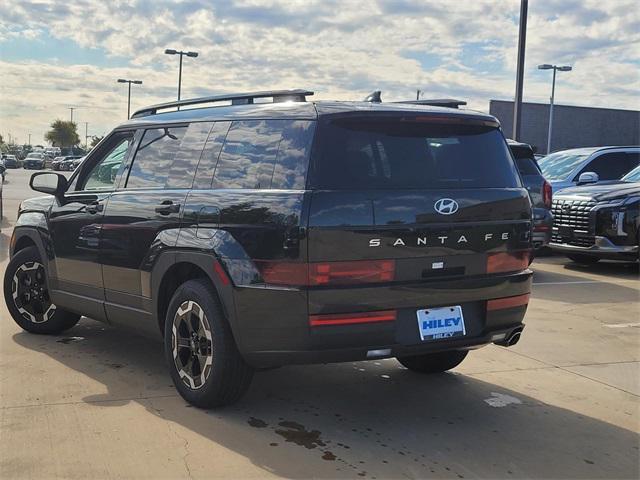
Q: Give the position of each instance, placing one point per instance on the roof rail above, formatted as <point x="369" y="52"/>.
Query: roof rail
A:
<point x="297" y="95"/>
<point x="437" y="102"/>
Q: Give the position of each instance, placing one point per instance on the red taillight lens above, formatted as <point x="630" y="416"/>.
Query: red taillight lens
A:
<point x="352" y="318"/>
<point x="507" y="302"/>
<point x="284" y="273"/>
<point x="507" y="261"/>
<point x="327" y="273"/>
<point x="341" y="273"/>
<point x="547" y="194"/>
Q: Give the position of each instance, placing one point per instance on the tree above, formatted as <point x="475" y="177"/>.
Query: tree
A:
<point x="95" y="140"/>
<point x="63" y="134"/>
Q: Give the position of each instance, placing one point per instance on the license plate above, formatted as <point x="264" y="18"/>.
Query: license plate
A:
<point x="442" y="322"/>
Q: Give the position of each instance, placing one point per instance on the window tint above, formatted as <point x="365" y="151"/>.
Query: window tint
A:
<point x="154" y="157"/>
<point x="369" y="154"/>
<point x="609" y="166"/>
<point x="209" y="157"/>
<point x="248" y="156"/>
<point x="185" y="163"/>
<point x="527" y="166"/>
<point x="293" y="154"/>
<point x="105" y="172"/>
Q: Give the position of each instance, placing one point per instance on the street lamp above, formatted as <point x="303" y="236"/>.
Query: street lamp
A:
<point x="555" y="68"/>
<point x="170" y="51"/>
<point x="136" y="82"/>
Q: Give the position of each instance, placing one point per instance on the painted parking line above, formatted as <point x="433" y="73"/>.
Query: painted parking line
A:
<point x="621" y="325"/>
<point x="582" y="282"/>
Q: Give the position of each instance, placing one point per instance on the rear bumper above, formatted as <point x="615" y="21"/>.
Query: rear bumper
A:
<point x="273" y="325"/>
<point x="602" y="248"/>
<point x="542" y="225"/>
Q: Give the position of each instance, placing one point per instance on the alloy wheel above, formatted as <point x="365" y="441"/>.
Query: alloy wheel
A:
<point x="192" y="344"/>
<point x="30" y="293"/>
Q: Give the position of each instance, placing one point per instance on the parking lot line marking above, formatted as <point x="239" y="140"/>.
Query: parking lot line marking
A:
<point x="579" y="282"/>
<point x="621" y="325"/>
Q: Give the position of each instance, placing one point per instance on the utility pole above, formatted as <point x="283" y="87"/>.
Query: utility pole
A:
<point x="86" y="135"/>
<point x="72" y="109"/>
<point x="29" y="139"/>
<point x="522" y="40"/>
<point x="418" y="95"/>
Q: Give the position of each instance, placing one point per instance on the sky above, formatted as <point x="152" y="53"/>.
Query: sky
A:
<point x="60" y="54"/>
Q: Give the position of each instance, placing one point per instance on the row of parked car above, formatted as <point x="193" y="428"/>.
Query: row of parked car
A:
<point x="586" y="200"/>
<point x="42" y="161"/>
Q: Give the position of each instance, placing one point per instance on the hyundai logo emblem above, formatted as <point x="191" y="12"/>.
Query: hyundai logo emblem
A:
<point x="446" y="206"/>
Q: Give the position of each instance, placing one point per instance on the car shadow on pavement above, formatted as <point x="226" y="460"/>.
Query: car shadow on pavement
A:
<point x="354" y="420"/>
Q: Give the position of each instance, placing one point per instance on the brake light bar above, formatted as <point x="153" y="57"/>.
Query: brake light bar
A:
<point x="507" y="261"/>
<point x="507" y="302"/>
<point x="352" y="318"/>
<point x="327" y="273"/>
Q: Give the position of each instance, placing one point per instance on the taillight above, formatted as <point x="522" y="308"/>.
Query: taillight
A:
<point x="344" y="273"/>
<point x="327" y="273"/>
<point x="547" y="194"/>
<point x="352" y="318"/>
<point x="507" y="302"/>
<point x="507" y="261"/>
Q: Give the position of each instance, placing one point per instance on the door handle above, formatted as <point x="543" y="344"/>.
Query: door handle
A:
<point x="167" y="207"/>
<point x="94" y="207"/>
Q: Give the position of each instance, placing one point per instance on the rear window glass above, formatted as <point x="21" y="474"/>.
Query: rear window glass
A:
<point x="527" y="166"/>
<point x="357" y="154"/>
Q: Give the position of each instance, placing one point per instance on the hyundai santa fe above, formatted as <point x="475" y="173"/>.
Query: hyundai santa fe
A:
<point x="263" y="229"/>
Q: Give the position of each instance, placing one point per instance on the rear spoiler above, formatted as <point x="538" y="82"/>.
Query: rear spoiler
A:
<point x="376" y="97"/>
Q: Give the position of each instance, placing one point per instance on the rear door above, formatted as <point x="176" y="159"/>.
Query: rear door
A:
<point x="143" y="216"/>
<point x="434" y="196"/>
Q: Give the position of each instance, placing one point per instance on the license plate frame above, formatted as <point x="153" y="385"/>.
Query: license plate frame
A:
<point x="441" y="323"/>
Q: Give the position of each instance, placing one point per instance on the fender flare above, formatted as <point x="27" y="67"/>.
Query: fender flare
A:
<point x="34" y="234"/>
<point x="205" y="261"/>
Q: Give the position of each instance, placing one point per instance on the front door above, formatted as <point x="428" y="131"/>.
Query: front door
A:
<point x="75" y="228"/>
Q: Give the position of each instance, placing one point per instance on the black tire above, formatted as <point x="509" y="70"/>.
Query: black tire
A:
<point x="26" y="294"/>
<point x="583" y="259"/>
<point x="434" y="362"/>
<point x="207" y="369"/>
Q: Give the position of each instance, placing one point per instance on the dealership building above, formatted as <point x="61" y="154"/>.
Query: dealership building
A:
<point x="572" y="126"/>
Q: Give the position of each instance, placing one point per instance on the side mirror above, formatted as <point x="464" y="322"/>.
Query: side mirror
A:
<point x="588" y="177"/>
<point x="49" y="182"/>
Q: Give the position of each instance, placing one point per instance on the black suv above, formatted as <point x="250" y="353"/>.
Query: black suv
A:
<point x="264" y="233"/>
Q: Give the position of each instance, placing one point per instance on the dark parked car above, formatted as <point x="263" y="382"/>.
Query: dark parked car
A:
<point x="539" y="191"/>
<point x="599" y="221"/>
<point x="34" y="161"/>
<point x="10" y="161"/>
<point x="257" y="235"/>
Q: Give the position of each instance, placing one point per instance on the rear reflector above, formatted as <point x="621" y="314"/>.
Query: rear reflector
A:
<point x="352" y="318"/>
<point x="507" y="302"/>
<point x="327" y="273"/>
<point x="541" y="228"/>
<point x="507" y="261"/>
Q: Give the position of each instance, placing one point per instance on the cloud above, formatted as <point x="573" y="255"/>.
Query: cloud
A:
<point x="340" y="49"/>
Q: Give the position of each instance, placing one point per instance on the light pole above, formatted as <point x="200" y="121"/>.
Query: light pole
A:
<point x="170" y="51"/>
<point x="29" y="139"/>
<point x="522" y="40"/>
<point x="72" y="109"/>
<point x="564" y="68"/>
<point x="136" y="82"/>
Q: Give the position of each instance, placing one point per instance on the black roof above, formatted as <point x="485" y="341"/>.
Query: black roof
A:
<point x="303" y="110"/>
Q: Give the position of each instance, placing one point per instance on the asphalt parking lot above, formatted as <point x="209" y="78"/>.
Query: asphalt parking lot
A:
<point x="98" y="402"/>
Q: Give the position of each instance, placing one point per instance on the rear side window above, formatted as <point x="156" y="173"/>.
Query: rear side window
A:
<point x="393" y="154"/>
<point x="609" y="166"/>
<point x="185" y="163"/>
<point x="210" y="154"/>
<point x="154" y="157"/>
<point x="264" y="154"/>
<point x="248" y="155"/>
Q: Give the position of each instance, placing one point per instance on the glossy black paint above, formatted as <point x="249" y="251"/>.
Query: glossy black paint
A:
<point x="112" y="253"/>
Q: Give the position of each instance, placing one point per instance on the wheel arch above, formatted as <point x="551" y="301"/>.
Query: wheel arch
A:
<point x="175" y="268"/>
